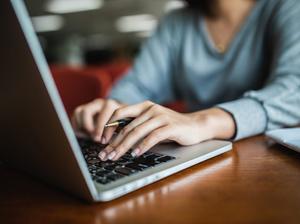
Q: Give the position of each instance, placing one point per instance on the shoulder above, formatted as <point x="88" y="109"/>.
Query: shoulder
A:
<point x="287" y="3"/>
<point x="282" y="15"/>
<point x="283" y="8"/>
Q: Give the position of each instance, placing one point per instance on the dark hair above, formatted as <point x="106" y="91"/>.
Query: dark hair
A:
<point x="205" y="7"/>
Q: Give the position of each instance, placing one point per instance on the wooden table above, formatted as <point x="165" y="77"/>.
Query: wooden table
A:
<point x="255" y="183"/>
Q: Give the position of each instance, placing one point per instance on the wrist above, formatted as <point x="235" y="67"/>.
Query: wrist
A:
<point x="218" y="123"/>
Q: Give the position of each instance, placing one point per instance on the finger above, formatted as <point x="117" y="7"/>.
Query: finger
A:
<point x="130" y="111"/>
<point x="135" y="136"/>
<point x="152" y="139"/>
<point x="75" y="119"/>
<point x="134" y="110"/>
<point x="149" y="113"/>
<point x="132" y="125"/>
<point x="108" y="133"/>
<point x="103" y="117"/>
<point x="86" y="117"/>
<point x="103" y="155"/>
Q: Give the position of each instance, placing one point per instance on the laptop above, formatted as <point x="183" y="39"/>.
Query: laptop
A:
<point x="37" y="137"/>
<point x="288" y="137"/>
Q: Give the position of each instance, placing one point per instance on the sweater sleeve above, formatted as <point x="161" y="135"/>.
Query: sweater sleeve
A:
<point x="151" y="75"/>
<point x="277" y="104"/>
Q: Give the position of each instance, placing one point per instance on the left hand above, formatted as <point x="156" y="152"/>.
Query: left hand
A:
<point x="153" y="124"/>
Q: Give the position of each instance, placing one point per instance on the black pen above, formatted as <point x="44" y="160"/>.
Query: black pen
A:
<point x="119" y="123"/>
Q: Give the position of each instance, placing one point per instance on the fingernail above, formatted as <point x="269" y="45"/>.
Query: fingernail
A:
<point x="135" y="152"/>
<point x="112" y="155"/>
<point x="103" y="140"/>
<point x="102" y="155"/>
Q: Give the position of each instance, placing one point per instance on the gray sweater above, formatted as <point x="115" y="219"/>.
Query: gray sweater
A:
<point x="257" y="79"/>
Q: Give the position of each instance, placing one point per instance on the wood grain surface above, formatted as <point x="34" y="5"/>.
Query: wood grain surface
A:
<point x="258" y="182"/>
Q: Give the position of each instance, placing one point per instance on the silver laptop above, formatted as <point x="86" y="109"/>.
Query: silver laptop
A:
<point x="289" y="137"/>
<point x="37" y="138"/>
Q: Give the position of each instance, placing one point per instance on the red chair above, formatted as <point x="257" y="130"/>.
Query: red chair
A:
<point x="78" y="86"/>
<point x="117" y="69"/>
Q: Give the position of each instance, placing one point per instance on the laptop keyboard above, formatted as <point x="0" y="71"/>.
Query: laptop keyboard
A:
<point x="104" y="172"/>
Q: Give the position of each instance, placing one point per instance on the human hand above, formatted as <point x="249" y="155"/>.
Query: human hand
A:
<point x="92" y="117"/>
<point x="154" y="123"/>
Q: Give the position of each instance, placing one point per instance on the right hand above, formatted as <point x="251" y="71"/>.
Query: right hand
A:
<point x="92" y="117"/>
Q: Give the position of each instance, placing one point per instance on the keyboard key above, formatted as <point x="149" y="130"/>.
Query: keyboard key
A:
<point x="146" y="161"/>
<point x="102" y="172"/>
<point x="125" y="171"/>
<point x="93" y="154"/>
<point x="102" y="180"/>
<point x="93" y="161"/>
<point x="136" y="166"/>
<point x="106" y="163"/>
<point x="114" y="176"/>
<point x="111" y="167"/>
<point x="153" y="156"/>
<point x="127" y="157"/>
<point x="122" y="161"/>
<point x="165" y="159"/>
<point x="92" y="171"/>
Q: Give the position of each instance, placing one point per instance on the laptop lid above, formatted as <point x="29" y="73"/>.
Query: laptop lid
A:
<point x="36" y="133"/>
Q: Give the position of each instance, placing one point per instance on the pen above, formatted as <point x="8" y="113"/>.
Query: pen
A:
<point x="119" y="123"/>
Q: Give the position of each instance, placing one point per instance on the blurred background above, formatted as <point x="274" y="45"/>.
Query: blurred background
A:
<point x="80" y="32"/>
<point x="90" y="44"/>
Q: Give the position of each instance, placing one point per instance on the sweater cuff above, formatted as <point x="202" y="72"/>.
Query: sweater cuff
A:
<point x="249" y="115"/>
